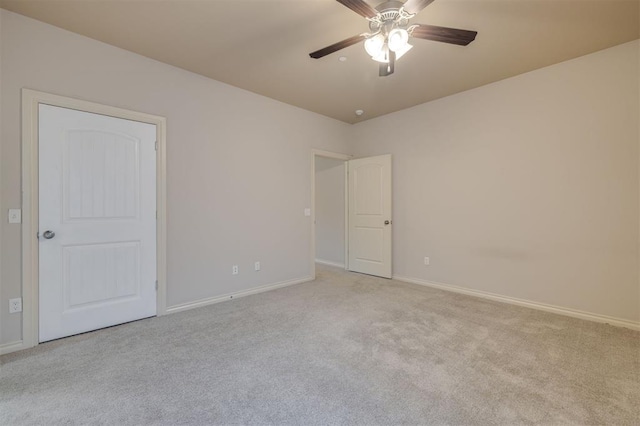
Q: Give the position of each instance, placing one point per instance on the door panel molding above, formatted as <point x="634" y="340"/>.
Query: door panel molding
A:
<point x="31" y="99"/>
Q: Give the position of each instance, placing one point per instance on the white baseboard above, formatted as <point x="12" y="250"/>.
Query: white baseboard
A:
<point x="330" y="263"/>
<point x="229" y="296"/>
<point x="618" y="322"/>
<point x="7" y="348"/>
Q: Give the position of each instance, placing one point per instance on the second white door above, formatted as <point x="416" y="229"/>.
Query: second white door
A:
<point x="370" y="215"/>
<point x="97" y="221"/>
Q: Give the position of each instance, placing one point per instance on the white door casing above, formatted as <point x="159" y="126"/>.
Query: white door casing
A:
<point x="97" y="193"/>
<point x="370" y="221"/>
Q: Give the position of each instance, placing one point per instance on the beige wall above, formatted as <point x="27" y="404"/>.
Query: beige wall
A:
<point x="330" y="209"/>
<point x="526" y="188"/>
<point x="238" y="164"/>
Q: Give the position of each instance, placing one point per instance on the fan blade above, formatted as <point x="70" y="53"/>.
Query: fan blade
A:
<point x="444" y="34"/>
<point x="336" y="46"/>
<point x="388" y="69"/>
<point x="415" y="6"/>
<point x="360" y="7"/>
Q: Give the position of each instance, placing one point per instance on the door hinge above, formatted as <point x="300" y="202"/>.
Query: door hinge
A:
<point x="156" y="285"/>
<point x="156" y="145"/>
<point x="156" y="214"/>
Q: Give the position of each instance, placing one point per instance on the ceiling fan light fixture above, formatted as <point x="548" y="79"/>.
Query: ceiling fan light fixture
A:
<point x="398" y="39"/>
<point x="383" y="56"/>
<point x="374" y="45"/>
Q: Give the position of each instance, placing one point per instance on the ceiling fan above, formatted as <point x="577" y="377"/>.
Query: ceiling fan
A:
<point x="390" y="31"/>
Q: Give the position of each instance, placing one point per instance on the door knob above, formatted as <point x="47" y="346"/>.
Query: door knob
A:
<point x="386" y="222"/>
<point x="49" y="234"/>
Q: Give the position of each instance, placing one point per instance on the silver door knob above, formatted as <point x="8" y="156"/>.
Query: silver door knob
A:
<point x="49" y="234"/>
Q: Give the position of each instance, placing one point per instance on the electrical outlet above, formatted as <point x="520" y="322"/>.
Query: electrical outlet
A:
<point x="15" y="305"/>
<point x="234" y="270"/>
<point x="426" y="261"/>
<point x="256" y="266"/>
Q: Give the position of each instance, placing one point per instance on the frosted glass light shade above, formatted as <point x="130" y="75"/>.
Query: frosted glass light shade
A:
<point x="374" y="45"/>
<point x="398" y="39"/>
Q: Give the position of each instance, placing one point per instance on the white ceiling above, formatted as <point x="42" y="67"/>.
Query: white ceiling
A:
<point x="263" y="45"/>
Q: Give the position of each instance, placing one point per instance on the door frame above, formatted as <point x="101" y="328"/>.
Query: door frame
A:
<point x="30" y="169"/>
<point x="336" y="156"/>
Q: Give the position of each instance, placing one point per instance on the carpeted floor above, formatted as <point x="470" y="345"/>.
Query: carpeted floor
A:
<point x="344" y="349"/>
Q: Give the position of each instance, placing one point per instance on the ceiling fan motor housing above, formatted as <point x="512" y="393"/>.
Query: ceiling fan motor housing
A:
<point x="389" y="6"/>
<point x="390" y="15"/>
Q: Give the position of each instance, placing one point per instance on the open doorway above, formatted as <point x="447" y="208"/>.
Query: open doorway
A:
<point x="330" y="217"/>
<point x="329" y="177"/>
<point x="352" y="213"/>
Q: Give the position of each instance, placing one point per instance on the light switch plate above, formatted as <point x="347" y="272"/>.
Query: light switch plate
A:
<point x="307" y="212"/>
<point x="15" y="216"/>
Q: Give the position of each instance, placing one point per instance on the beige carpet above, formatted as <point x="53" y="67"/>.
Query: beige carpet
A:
<point x="344" y="349"/>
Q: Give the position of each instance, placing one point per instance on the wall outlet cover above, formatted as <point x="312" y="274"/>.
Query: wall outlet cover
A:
<point x="15" y="305"/>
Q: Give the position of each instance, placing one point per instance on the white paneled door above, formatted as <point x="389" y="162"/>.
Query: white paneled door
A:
<point x="370" y="215"/>
<point x="97" y="221"/>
